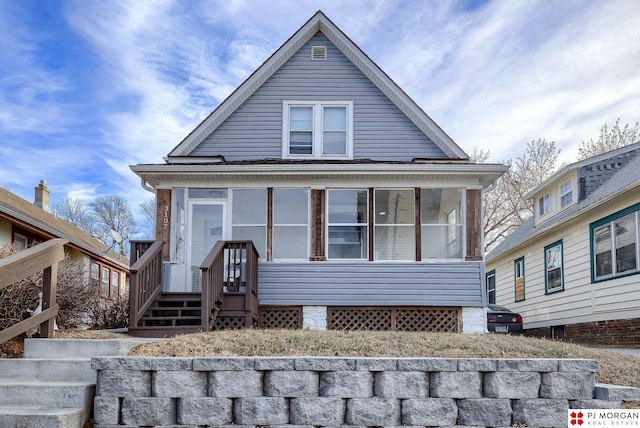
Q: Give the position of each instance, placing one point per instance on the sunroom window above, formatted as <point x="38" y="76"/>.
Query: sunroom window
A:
<point x="394" y="224"/>
<point x="290" y="224"/>
<point x="441" y="223"/>
<point x="249" y="216"/>
<point x="313" y="129"/>
<point x="348" y="224"/>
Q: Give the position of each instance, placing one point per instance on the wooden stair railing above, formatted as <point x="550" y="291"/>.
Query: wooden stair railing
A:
<point x="145" y="278"/>
<point x="230" y="266"/>
<point x="42" y="257"/>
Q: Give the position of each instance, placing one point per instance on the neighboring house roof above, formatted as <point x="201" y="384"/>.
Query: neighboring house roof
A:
<point x="14" y="208"/>
<point x="319" y="22"/>
<point x="583" y="163"/>
<point x="626" y="178"/>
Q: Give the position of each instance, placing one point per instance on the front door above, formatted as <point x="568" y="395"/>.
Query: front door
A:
<point x="207" y="226"/>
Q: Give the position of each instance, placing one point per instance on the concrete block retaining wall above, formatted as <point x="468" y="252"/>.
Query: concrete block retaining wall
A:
<point x="327" y="392"/>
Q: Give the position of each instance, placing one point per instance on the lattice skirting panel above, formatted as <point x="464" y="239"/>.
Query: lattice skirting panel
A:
<point x="229" y="323"/>
<point x="445" y="320"/>
<point x="289" y="317"/>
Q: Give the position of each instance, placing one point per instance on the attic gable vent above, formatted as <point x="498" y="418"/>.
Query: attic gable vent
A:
<point x="318" y="52"/>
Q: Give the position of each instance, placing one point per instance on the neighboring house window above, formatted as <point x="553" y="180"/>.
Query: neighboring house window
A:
<point x="318" y="129"/>
<point x="20" y="242"/>
<point x="518" y="273"/>
<point x="348" y="224"/>
<point x="441" y="223"/>
<point x="23" y="239"/>
<point x="115" y="284"/>
<point x="491" y="286"/>
<point x="553" y="266"/>
<point x="566" y="194"/>
<point x="249" y="216"/>
<point x="544" y="205"/>
<point x="394" y="224"/>
<point x="106" y="281"/>
<point x="290" y="224"/>
<point x="615" y="244"/>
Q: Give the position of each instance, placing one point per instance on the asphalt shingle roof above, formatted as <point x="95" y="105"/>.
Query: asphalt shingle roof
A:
<point x="627" y="176"/>
<point x="14" y="206"/>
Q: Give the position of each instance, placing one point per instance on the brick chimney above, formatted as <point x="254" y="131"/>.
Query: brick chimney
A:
<point x="42" y="196"/>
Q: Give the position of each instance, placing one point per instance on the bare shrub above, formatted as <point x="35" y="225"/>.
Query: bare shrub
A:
<point x="18" y="300"/>
<point x="110" y="313"/>
<point x="80" y="305"/>
<point x="75" y="295"/>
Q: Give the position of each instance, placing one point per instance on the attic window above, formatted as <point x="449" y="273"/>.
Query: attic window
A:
<point x="318" y="53"/>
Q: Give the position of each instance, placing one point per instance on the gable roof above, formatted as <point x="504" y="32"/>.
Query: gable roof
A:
<point x="320" y="22"/>
<point x="580" y="164"/>
<point x="14" y="208"/>
<point x="625" y="179"/>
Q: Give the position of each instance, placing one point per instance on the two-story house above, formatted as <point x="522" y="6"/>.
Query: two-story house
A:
<point x="362" y="211"/>
<point x="572" y="269"/>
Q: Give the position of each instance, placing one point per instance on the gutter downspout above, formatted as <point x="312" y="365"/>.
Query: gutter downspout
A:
<point x="146" y="186"/>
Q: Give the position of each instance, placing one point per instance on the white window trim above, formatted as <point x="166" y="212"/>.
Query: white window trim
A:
<point x="307" y="225"/>
<point x="317" y="128"/>
<point x="541" y="214"/>
<point x="329" y="224"/>
<point x="560" y="194"/>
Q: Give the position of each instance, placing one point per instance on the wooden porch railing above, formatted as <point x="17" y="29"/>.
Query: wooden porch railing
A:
<point x="145" y="280"/>
<point x="42" y="257"/>
<point x="230" y="266"/>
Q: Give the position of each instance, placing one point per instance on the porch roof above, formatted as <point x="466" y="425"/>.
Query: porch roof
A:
<point x="155" y="174"/>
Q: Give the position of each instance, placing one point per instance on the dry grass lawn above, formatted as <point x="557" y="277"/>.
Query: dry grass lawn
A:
<point x="614" y="368"/>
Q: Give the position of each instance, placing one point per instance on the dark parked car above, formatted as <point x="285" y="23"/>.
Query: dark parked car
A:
<point x="502" y="320"/>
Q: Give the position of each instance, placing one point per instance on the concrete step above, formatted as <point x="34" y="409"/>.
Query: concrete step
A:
<point x="53" y="386"/>
<point x="42" y="369"/>
<point x="79" y="348"/>
<point x="51" y="395"/>
<point x="30" y="417"/>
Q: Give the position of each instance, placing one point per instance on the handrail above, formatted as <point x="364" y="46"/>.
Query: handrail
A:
<point x="42" y="257"/>
<point x="212" y="283"/>
<point x="145" y="280"/>
<point x="230" y="265"/>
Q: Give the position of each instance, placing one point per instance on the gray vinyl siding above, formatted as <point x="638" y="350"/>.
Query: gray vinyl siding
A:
<point x="371" y="284"/>
<point x="381" y="130"/>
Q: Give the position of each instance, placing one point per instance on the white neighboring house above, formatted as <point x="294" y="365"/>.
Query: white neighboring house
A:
<point x="572" y="269"/>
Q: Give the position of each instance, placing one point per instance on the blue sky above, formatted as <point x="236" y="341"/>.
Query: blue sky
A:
<point x="89" y="87"/>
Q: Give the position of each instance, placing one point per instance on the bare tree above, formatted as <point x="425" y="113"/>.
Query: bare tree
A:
<point x="609" y="139"/>
<point x="505" y="207"/>
<point x="148" y="208"/>
<point x="480" y="155"/>
<point x="76" y="212"/>
<point x="112" y="213"/>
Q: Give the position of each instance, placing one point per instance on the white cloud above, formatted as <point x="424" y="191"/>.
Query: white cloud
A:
<point x="496" y="77"/>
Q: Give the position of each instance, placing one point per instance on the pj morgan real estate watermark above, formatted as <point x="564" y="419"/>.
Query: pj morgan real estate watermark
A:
<point x="577" y="418"/>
